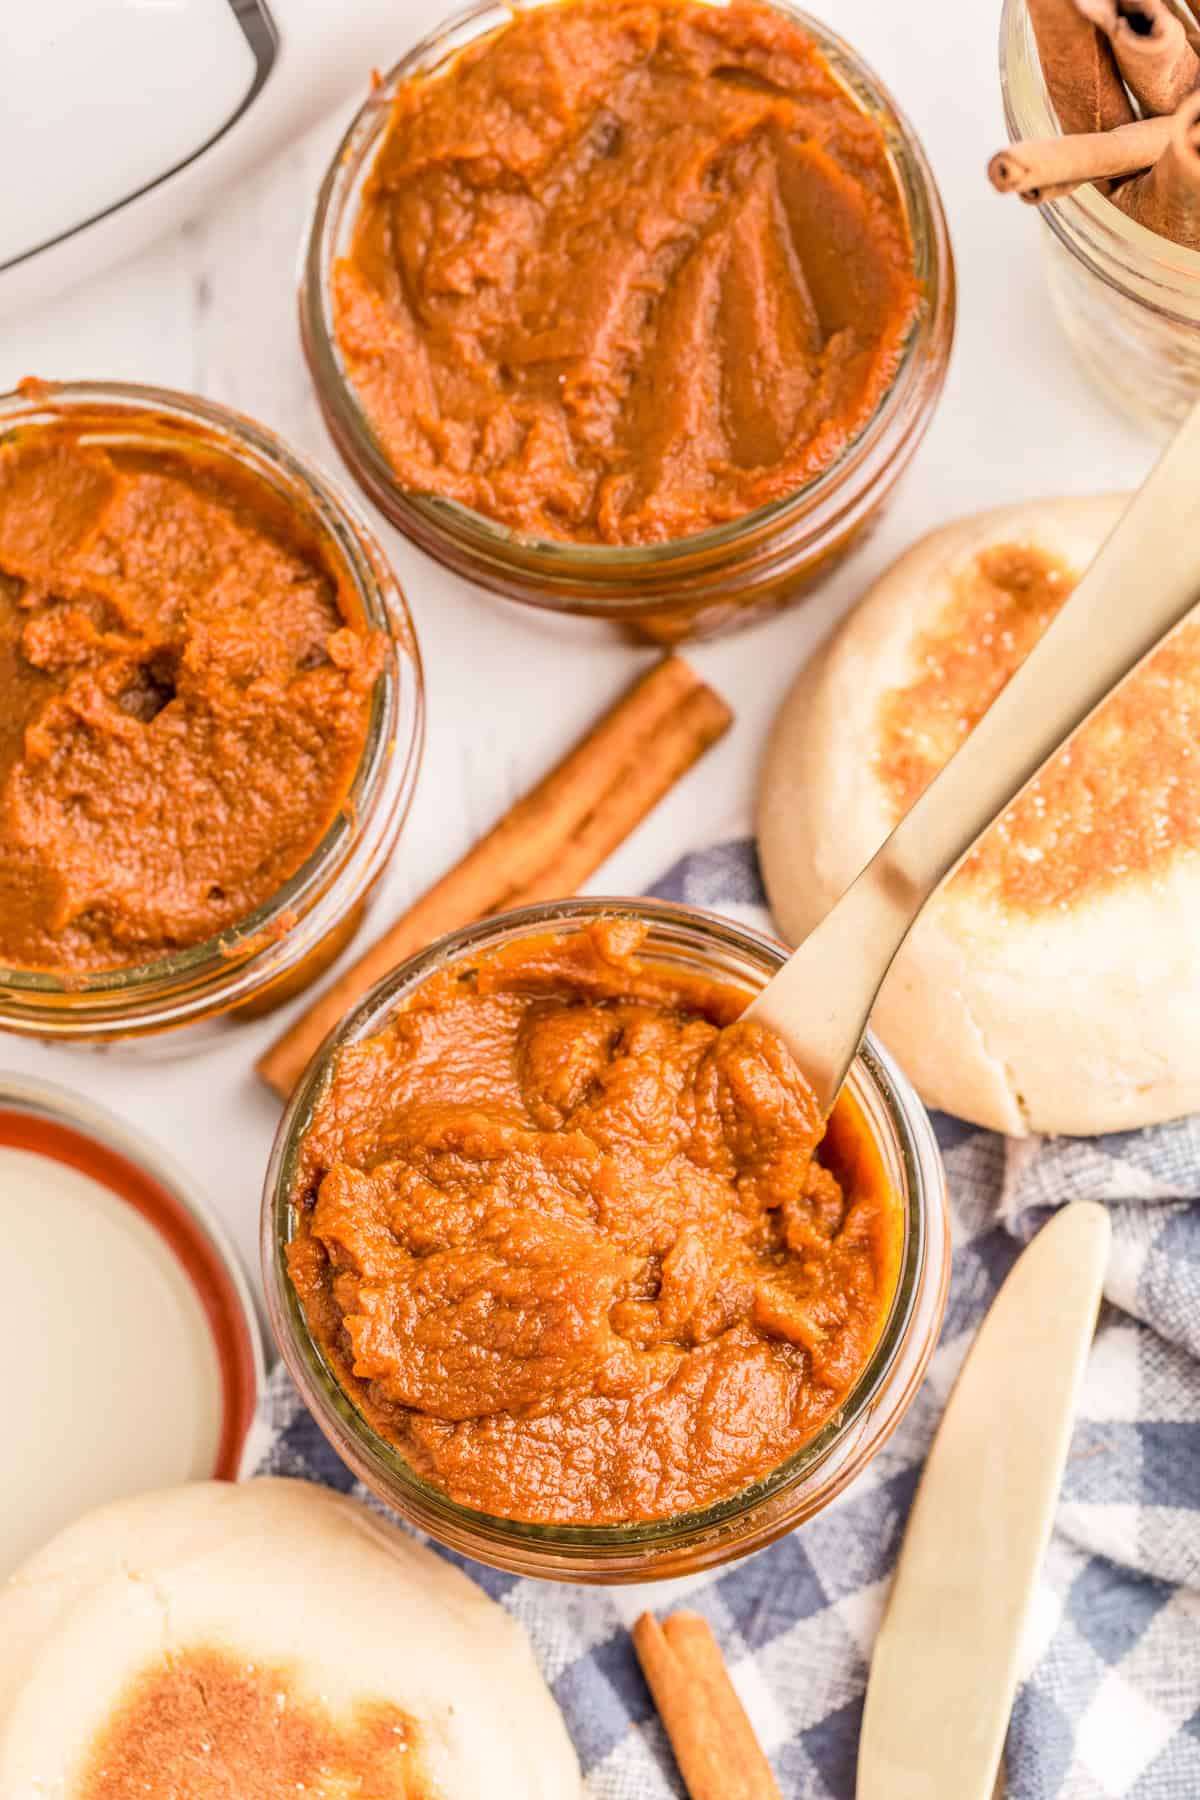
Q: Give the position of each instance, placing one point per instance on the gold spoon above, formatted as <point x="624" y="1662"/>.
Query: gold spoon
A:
<point x="1142" y="584"/>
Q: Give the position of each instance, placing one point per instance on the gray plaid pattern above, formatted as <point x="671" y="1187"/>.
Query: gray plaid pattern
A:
<point x="1111" y="1705"/>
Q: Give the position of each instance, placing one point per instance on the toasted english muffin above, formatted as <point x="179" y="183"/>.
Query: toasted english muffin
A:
<point x="1054" y="985"/>
<point x="220" y="1642"/>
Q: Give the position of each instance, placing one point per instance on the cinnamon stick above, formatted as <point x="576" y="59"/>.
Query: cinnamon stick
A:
<point x="545" y="847"/>
<point x="1033" y="165"/>
<point x="1167" y="198"/>
<point x="1187" y="19"/>
<point x="718" y="1754"/>
<point x="1151" y="49"/>
<point x="1039" y="196"/>
<point x="1080" y="70"/>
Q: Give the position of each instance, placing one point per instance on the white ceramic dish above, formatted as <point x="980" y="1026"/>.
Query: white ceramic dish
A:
<point x="130" y="1353"/>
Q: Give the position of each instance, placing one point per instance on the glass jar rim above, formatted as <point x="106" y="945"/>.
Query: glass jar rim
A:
<point x="878" y="1079"/>
<point x="474" y="530"/>
<point x="268" y="941"/>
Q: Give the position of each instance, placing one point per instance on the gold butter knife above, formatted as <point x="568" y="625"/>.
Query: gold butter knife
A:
<point x="946" y="1661"/>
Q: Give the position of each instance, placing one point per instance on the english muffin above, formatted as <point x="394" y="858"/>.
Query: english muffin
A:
<point x="1054" y="985"/>
<point x="219" y="1642"/>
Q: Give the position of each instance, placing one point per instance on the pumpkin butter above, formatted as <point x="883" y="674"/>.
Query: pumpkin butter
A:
<point x="562" y="1230"/>
<point x="184" y="697"/>
<point x="625" y="269"/>
<point x="1122" y="799"/>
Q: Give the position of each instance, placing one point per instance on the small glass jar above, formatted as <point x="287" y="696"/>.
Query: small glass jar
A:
<point x="702" y="943"/>
<point x="698" y="586"/>
<point x="1128" y="299"/>
<point x="285" y="943"/>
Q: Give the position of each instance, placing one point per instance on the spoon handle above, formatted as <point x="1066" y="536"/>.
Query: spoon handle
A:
<point x="1143" y="583"/>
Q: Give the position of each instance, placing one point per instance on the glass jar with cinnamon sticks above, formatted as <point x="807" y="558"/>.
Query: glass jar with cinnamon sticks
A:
<point x="1126" y="291"/>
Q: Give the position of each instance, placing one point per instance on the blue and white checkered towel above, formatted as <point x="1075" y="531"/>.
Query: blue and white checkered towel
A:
<point x="1111" y="1706"/>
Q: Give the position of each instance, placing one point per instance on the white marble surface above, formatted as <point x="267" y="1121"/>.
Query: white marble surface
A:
<point x="211" y="309"/>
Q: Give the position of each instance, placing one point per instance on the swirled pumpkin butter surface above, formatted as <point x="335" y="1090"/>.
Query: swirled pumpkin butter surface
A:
<point x="562" y="1231"/>
<point x="625" y="269"/>
<point x="184" y="698"/>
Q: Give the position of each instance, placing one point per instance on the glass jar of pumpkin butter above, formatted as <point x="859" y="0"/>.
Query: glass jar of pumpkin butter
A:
<point x="211" y="706"/>
<point x="630" y="308"/>
<point x="567" y="1267"/>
